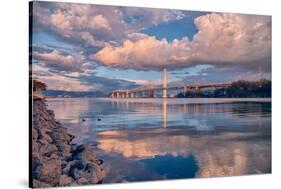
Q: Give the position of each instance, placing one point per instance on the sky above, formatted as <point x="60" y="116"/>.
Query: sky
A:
<point x="83" y="47"/>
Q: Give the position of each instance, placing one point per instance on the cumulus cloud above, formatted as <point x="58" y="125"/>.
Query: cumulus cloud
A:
<point x="221" y="39"/>
<point x="99" y="22"/>
<point x="145" y="54"/>
<point x="95" y="25"/>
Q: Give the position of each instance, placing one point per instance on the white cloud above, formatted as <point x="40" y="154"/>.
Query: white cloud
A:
<point x="221" y="39"/>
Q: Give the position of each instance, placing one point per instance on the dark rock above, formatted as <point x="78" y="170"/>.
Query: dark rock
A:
<point x="63" y="147"/>
<point x="84" y="153"/>
<point x="68" y="169"/>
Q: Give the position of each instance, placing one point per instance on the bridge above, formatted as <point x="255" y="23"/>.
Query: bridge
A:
<point x="151" y="91"/>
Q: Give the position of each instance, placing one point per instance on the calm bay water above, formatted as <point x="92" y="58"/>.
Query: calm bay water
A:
<point x="154" y="139"/>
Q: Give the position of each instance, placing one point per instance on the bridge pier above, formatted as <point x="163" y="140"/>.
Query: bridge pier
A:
<point x="127" y="94"/>
<point x="184" y="90"/>
<point x="165" y="83"/>
<point x="151" y="94"/>
<point x="156" y="91"/>
<point x="197" y="90"/>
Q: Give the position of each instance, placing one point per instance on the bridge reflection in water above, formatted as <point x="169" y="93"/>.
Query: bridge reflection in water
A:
<point x="164" y="104"/>
<point x="145" y="107"/>
<point x="161" y="107"/>
<point x="224" y="138"/>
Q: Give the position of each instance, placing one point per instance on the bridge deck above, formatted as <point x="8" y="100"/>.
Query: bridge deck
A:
<point x="218" y="85"/>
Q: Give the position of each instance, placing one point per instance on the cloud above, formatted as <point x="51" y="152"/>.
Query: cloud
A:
<point x="146" y="53"/>
<point x="58" y="19"/>
<point x="60" y="61"/>
<point x="143" y="17"/>
<point x="96" y="25"/>
<point x="107" y="84"/>
<point x="143" y="82"/>
<point x="78" y="81"/>
<point x="99" y="22"/>
<point x="58" y="81"/>
<point x="221" y="39"/>
<point x="223" y="74"/>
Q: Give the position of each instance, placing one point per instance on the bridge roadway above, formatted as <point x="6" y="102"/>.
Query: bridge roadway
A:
<point x="150" y="92"/>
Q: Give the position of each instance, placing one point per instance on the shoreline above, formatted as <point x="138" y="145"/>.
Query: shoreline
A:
<point x="56" y="160"/>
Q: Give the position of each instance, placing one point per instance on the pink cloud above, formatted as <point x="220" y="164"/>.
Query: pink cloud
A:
<point x="222" y="38"/>
<point x="60" y="61"/>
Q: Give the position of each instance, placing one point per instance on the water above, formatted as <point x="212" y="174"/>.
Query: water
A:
<point x="154" y="139"/>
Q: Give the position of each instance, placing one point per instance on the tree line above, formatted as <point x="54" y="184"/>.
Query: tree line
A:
<point x="237" y="89"/>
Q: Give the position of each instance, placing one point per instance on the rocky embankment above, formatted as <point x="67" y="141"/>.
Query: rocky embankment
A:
<point x="56" y="161"/>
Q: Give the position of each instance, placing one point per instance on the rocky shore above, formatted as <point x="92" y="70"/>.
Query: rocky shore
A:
<point x="56" y="161"/>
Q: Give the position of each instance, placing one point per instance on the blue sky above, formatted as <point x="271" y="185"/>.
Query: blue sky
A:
<point x="176" y="29"/>
<point x="79" y="47"/>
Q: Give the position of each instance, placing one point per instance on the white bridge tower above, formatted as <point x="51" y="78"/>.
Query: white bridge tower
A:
<point x="165" y="82"/>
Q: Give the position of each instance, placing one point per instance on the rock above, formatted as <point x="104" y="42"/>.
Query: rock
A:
<point x="71" y="165"/>
<point x="38" y="184"/>
<point x="94" y="173"/>
<point x="60" y="134"/>
<point x="48" y="149"/>
<point x="77" y="173"/>
<point x="36" y="160"/>
<point x="35" y="146"/>
<point x="55" y="160"/>
<point x="49" y="172"/>
<point x="43" y="136"/>
<point x="84" y="153"/>
<point x="34" y="134"/>
<point x="82" y="181"/>
<point x="63" y="147"/>
<point x="65" y="180"/>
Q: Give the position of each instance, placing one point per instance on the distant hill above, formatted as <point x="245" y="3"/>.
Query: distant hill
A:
<point x="59" y="93"/>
